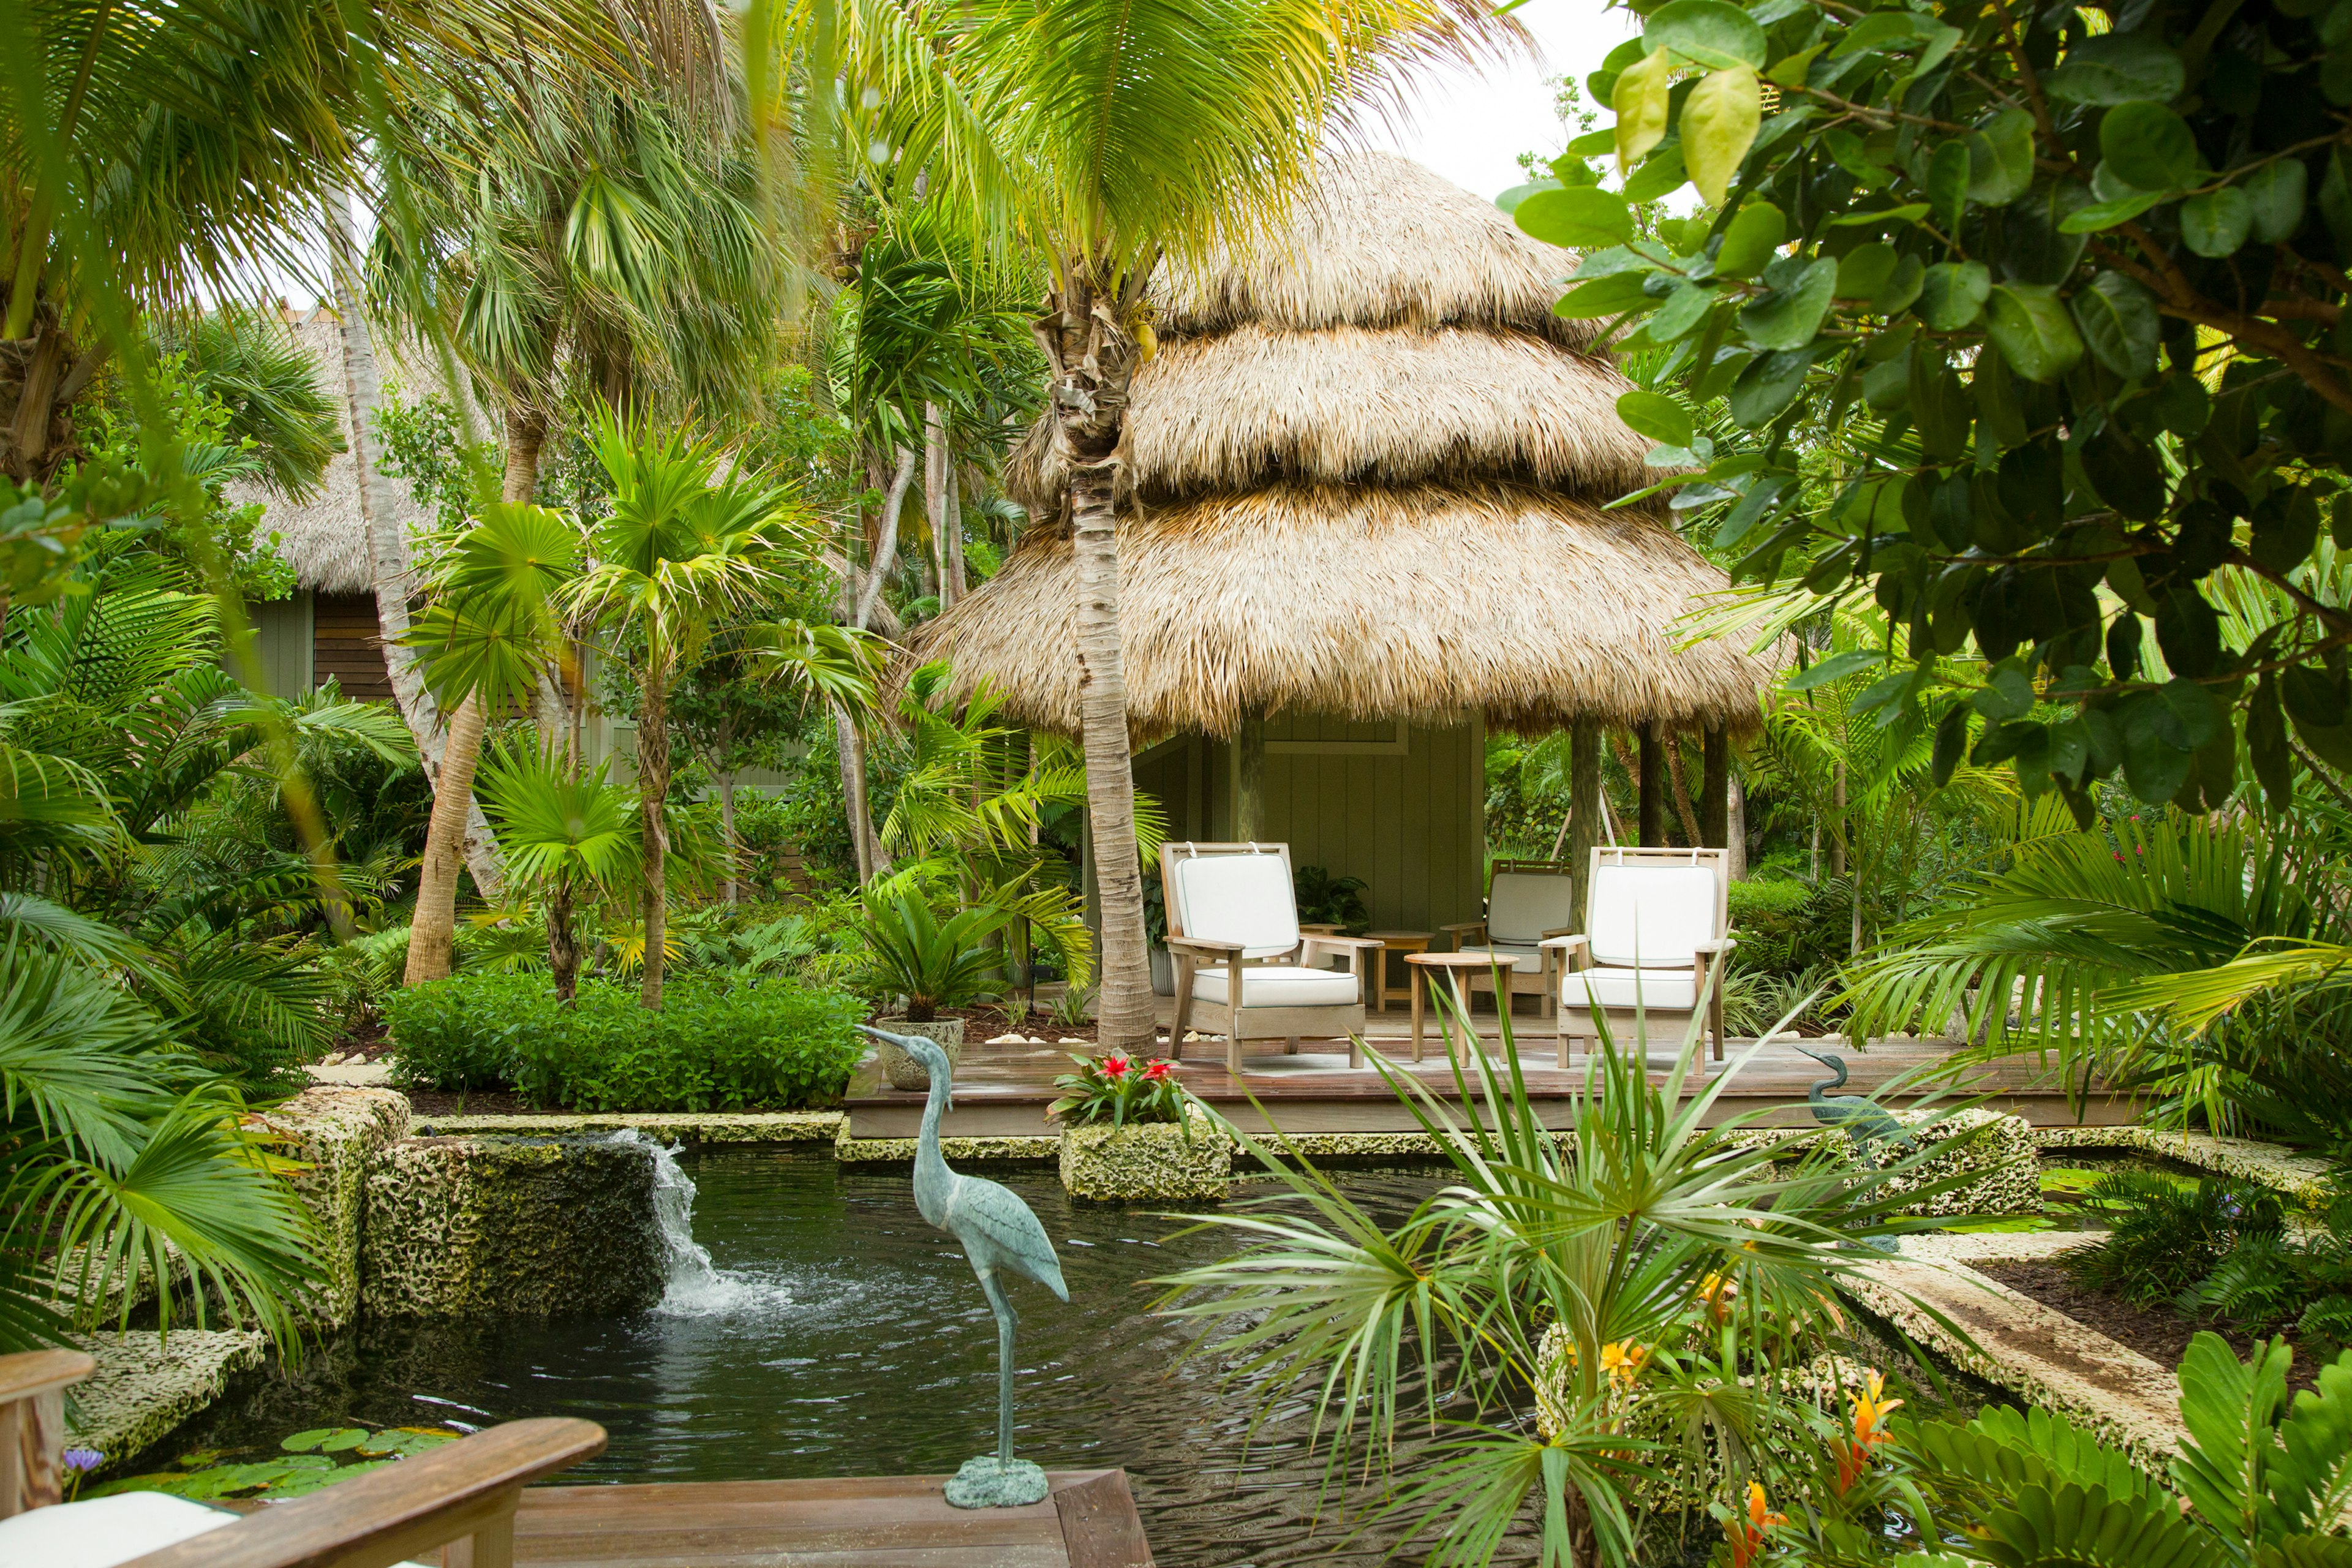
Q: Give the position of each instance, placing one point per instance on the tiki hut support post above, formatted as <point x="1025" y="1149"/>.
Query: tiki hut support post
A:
<point x="1714" y="788"/>
<point x="1583" y="806"/>
<point x="1653" y="771"/>
<point x="1249" y="780"/>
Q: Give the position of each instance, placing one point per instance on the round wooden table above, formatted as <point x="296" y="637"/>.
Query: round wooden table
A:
<point x="1399" y="942"/>
<point x="1455" y="966"/>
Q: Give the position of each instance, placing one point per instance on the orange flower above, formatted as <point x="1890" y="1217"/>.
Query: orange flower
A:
<point x="1870" y="1408"/>
<point x="1747" y="1535"/>
<point x="1718" y="1291"/>
<point x="1623" y="1361"/>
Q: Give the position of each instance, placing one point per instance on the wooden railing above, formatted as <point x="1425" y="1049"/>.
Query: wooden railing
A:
<point x="460" y="1497"/>
<point x="33" y="1426"/>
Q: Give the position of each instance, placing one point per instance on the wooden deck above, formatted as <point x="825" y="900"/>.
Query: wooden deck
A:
<point x="1088" y="1520"/>
<point x="1002" y="1091"/>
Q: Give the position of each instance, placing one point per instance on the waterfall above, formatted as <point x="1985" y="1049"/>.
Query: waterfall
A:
<point x="693" y="1288"/>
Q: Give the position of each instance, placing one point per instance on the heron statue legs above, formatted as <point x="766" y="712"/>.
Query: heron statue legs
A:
<point x="1006" y="1320"/>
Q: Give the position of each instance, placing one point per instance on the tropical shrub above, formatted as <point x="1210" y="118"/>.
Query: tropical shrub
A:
<point x="722" y="1042"/>
<point x="2045" y="303"/>
<point x="1325" y="900"/>
<point x="2258" y="1480"/>
<point x="1614" y="1301"/>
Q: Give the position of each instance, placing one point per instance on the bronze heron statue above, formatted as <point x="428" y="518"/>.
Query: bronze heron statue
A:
<point x="1001" y="1236"/>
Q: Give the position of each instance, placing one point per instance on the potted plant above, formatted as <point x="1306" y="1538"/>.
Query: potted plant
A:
<point x="1131" y="1131"/>
<point x="910" y="953"/>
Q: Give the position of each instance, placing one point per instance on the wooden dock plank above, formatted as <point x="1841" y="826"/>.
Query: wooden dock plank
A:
<point x="1003" y="1091"/>
<point x="1087" y="1520"/>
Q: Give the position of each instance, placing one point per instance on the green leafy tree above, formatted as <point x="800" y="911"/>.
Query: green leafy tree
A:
<point x="2066" y="288"/>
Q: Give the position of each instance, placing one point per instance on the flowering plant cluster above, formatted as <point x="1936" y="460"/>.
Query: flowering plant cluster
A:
<point x="1122" y="1090"/>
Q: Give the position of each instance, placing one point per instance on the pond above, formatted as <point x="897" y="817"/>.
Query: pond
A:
<point x="835" y="1334"/>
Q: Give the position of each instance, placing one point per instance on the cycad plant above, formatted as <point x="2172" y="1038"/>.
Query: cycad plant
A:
<point x="1576" y="1312"/>
<point x="911" y="952"/>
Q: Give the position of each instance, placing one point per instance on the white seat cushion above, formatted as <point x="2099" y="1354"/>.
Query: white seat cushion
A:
<point x="1519" y="957"/>
<point x="1241" y="898"/>
<point x="105" y="1531"/>
<point x="1280" y="985"/>
<point x="1667" y="989"/>
<point x="1653" y="916"/>
<point x="1523" y="905"/>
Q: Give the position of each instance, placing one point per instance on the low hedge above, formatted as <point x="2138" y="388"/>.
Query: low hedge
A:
<point x="721" y="1042"/>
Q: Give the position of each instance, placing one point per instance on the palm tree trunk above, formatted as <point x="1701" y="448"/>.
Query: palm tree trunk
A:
<point x="433" y="931"/>
<point x="1681" y="785"/>
<point x="388" y="565"/>
<point x="1734" y="833"/>
<point x="562" y="946"/>
<point x="939" y="479"/>
<point x="653" y="789"/>
<point x="453" y="792"/>
<point x="1093" y="360"/>
<point x="886" y="546"/>
<point x="951" y="586"/>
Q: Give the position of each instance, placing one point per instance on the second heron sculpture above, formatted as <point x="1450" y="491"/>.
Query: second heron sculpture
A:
<point x="1001" y="1236"/>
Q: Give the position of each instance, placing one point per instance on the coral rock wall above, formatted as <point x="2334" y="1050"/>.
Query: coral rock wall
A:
<point x="480" y="1226"/>
<point x="330" y="1135"/>
<point x="1151" y="1163"/>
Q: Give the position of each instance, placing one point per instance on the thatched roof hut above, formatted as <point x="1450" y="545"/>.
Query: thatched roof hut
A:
<point x="1365" y="475"/>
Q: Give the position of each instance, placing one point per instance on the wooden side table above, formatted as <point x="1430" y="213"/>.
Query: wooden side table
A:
<point x="1457" y="967"/>
<point x="1399" y="942"/>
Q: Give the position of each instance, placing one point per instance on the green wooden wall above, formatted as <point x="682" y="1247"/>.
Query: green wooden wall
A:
<point x="1402" y="807"/>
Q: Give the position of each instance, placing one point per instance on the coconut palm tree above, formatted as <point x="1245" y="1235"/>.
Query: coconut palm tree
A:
<point x="1106" y="134"/>
<point x="682" y="550"/>
<point x="567" y="833"/>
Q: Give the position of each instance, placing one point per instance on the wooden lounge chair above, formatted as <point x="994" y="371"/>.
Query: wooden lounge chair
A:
<point x="1657" y="927"/>
<point x="461" y="1495"/>
<point x="1527" y="900"/>
<point x="1242" y="967"/>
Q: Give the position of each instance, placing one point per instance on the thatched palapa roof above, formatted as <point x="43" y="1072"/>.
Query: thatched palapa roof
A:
<point x="325" y="538"/>
<point x="1365" y="475"/>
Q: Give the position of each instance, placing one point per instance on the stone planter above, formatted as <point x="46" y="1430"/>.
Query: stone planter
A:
<point x="1163" y="973"/>
<point x="1147" y="1163"/>
<point x="905" y="1072"/>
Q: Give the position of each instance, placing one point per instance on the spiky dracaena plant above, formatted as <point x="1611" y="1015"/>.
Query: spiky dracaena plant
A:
<point x="1601" y="1301"/>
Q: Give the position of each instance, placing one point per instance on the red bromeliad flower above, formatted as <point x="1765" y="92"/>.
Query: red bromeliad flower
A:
<point x="1157" y="1070"/>
<point x="1114" y="1067"/>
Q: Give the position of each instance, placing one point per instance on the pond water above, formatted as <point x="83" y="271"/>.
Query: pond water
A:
<point x="832" y="1332"/>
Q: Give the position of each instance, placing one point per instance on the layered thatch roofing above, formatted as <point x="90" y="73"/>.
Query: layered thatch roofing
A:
<point x="1418" y="601"/>
<point x="325" y="538"/>
<point x="1364" y="476"/>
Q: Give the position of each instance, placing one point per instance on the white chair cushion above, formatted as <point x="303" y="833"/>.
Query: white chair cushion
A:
<point x="1655" y="916"/>
<point x="105" y="1531"/>
<point x="1523" y="905"/>
<point x="1242" y="898"/>
<point x="1280" y="985"/>
<point x="1520" y="958"/>
<point x="1669" y="990"/>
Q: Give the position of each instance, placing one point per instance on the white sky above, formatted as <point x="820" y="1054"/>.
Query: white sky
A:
<point x="1471" y="127"/>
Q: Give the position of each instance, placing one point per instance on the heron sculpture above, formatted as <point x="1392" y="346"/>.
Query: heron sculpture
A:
<point x="1863" y="1120"/>
<point x="1001" y="1236"/>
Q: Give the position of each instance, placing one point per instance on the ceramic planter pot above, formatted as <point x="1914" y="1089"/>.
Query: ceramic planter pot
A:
<point x="1163" y="973"/>
<point x="905" y="1072"/>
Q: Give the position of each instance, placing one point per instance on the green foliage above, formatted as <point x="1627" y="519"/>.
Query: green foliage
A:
<point x="1119" y="1088"/>
<point x="188" y="521"/>
<point x="1325" y="900"/>
<point x="2259" y="1479"/>
<point x="2052" y="360"/>
<point x="2166" y="1237"/>
<point x="1612" y="1302"/>
<point x="307" y="1462"/>
<point x="722" y="1041"/>
<point x="267" y="385"/>
<point x="932" y="962"/>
